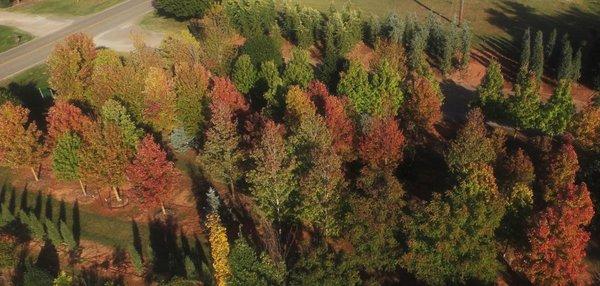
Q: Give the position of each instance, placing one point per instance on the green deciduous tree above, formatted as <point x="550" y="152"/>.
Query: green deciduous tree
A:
<point x="191" y="89"/>
<point x="559" y="110"/>
<point x="244" y="74"/>
<point x="524" y="105"/>
<point x="273" y="182"/>
<point x="222" y="156"/>
<point x="451" y="239"/>
<point x="491" y="97"/>
<point x="298" y="71"/>
<point x="355" y="84"/>
<point x="114" y="113"/>
<point x="66" y="159"/>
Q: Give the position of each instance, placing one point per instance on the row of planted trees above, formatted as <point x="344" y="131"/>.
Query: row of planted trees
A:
<point x="314" y="162"/>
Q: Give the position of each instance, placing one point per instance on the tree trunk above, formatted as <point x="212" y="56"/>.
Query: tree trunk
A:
<point x="35" y="175"/>
<point x="82" y="188"/>
<point x="162" y="207"/>
<point x="116" y="193"/>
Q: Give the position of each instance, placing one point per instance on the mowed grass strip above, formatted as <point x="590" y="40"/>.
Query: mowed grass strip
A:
<point x="64" y="7"/>
<point x="11" y="37"/>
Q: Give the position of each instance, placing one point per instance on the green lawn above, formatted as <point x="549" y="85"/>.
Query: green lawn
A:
<point x="498" y="19"/>
<point x="64" y="7"/>
<point x="9" y="37"/>
<point x="155" y="22"/>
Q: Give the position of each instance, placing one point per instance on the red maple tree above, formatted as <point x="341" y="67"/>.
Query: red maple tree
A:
<point x="561" y="171"/>
<point x="151" y="173"/>
<point x="338" y="121"/>
<point x="64" y="117"/>
<point x="381" y="148"/>
<point x="559" y="239"/>
<point x="224" y="90"/>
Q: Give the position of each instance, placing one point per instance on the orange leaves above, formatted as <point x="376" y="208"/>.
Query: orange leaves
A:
<point x="423" y="109"/>
<point x="71" y="65"/>
<point x="151" y="173"/>
<point x="559" y="240"/>
<point x="64" y="117"/>
<point x="224" y="91"/>
<point x="19" y="140"/>
<point x="381" y="148"/>
<point x="159" y="104"/>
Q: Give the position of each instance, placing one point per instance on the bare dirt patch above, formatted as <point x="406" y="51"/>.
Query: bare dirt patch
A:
<point x="34" y="24"/>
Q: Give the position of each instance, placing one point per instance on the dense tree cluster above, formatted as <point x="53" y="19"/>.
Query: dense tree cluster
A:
<point x="337" y="171"/>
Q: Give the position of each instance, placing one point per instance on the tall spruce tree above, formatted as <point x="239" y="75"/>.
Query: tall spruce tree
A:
<point x="537" y="56"/>
<point x="550" y="45"/>
<point x="525" y="58"/>
<point x="565" y="66"/>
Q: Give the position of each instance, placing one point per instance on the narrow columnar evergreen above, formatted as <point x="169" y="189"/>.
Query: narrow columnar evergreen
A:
<point x="565" y="67"/>
<point x="537" y="56"/>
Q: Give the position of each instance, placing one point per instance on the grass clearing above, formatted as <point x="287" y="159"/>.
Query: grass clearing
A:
<point x="154" y="22"/>
<point x="64" y="7"/>
<point x="11" y="37"/>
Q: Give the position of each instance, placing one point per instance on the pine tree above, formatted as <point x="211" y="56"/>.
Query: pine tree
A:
<point x="247" y="268"/>
<point x="270" y="74"/>
<point x="387" y="85"/>
<point x="244" y="74"/>
<point x="537" y="56"/>
<point x="524" y="62"/>
<point x="465" y="47"/>
<point x="451" y="239"/>
<point x="393" y="28"/>
<point x="550" y="45"/>
<point x="472" y="146"/>
<point x="576" y="67"/>
<point x="151" y="174"/>
<point x="66" y="159"/>
<point x="565" y="67"/>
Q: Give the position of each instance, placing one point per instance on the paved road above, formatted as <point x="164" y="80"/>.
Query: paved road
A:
<point x="36" y="51"/>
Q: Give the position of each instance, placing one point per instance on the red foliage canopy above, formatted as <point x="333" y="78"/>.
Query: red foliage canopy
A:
<point x="64" y="117"/>
<point x="381" y="148"/>
<point x="151" y="173"/>
<point x="224" y="90"/>
<point x="338" y="122"/>
<point x="558" y="239"/>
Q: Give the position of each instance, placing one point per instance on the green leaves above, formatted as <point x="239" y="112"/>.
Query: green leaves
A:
<point x="65" y="157"/>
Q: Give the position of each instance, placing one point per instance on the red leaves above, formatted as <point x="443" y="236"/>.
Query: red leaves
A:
<point x="338" y="122"/>
<point x="558" y="239"/>
<point x="424" y="106"/>
<point x="562" y="170"/>
<point x="151" y="173"/>
<point x="381" y="148"/>
<point x="64" y="117"/>
<point x="224" y="91"/>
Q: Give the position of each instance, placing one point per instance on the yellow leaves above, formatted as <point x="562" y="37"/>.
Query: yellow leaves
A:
<point x="19" y="141"/>
<point x="219" y="248"/>
<point x="159" y="104"/>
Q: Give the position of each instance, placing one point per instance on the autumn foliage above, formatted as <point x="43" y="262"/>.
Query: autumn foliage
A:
<point x="152" y="175"/>
<point x="64" y="117"/>
<point x="423" y="108"/>
<point x="381" y="147"/>
<point x="558" y="239"/>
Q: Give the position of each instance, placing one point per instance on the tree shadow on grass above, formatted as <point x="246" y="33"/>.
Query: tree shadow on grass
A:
<point x="514" y="18"/>
<point x="37" y="101"/>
